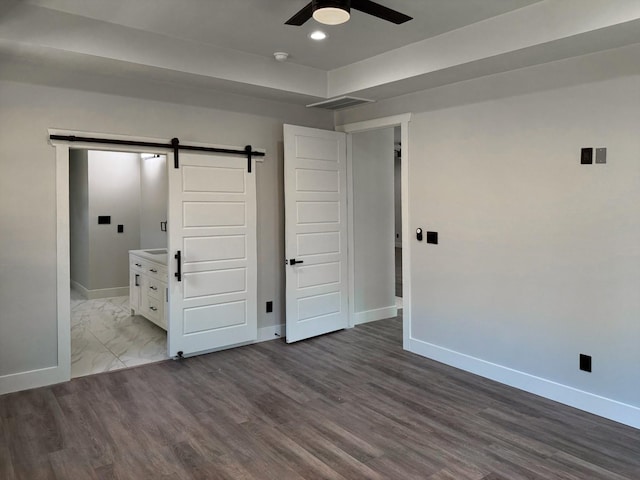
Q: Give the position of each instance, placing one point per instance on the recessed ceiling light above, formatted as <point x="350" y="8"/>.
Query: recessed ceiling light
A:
<point x="318" y="35"/>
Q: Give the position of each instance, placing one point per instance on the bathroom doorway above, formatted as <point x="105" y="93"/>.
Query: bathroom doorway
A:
<point x="117" y="209"/>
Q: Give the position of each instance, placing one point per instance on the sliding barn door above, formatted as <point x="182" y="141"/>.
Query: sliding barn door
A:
<point x="212" y="253"/>
<point x="315" y="231"/>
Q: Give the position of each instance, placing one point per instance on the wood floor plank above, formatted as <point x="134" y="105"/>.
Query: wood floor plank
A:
<point x="347" y="405"/>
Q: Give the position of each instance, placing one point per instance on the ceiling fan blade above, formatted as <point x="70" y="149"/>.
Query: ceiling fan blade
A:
<point x="301" y="17"/>
<point x="380" y="11"/>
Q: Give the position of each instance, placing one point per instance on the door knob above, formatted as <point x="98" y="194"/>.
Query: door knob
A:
<point x="293" y="261"/>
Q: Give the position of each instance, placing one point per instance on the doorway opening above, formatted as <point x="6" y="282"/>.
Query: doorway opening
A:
<point x="391" y="134"/>
<point x="200" y="187"/>
<point x="117" y="220"/>
<point x="375" y="233"/>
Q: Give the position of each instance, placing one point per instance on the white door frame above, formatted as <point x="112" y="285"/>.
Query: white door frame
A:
<point x="350" y="128"/>
<point x="62" y="372"/>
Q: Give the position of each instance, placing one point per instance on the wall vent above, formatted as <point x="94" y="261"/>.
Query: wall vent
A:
<point x="338" y="103"/>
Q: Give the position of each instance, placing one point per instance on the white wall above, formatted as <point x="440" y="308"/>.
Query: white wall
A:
<point x="539" y="256"/>
<point x="154" y="199"/>
<point x="28" y="215"/>
<point x="114" y="190"/>
<point x="373" y="224"/>
<point x="79" y="216"/>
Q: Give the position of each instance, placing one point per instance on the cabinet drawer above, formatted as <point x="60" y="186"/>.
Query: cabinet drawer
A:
<point x="156" y="271"/>
<point x="155" y="310"/>
<point x="136" y="263"/>
<point x="155" y="288"/>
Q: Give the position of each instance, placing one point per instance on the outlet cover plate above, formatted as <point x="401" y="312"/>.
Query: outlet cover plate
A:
<point x="601" y="155"/>
<point x="585" y="362"/>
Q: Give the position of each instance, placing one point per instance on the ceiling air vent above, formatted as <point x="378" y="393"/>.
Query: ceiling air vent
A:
<point x="340" y="102"/>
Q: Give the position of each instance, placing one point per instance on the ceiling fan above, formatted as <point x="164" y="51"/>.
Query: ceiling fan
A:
<point x="335" y="12"/>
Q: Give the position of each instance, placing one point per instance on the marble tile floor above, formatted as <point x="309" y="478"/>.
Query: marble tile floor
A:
<point x="105" y="336"/>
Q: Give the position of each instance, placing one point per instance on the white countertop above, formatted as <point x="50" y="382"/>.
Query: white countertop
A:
<point x="149" y="254"/>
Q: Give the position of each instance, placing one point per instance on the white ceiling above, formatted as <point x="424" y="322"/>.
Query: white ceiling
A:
<point x="257" y="26"/>
<point x="227" y="45"/>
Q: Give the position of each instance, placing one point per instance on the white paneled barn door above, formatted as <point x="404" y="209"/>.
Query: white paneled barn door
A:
<point x="315" y="232"/>
<point x="212" y="253"/>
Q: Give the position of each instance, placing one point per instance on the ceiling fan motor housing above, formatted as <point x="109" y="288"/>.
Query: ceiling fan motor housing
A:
<point x="341" y="4"/>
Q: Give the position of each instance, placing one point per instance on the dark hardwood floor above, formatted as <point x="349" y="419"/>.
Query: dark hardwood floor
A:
<point x="348" y="405"/>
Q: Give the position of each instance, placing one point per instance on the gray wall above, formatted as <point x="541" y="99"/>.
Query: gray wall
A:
<point x="154" y="200"/>
<point x="397" y="199"/>
<point x="539" y="256"/>
<point x="79" y="216"/>
<point x="28" y="215"/>
<point x="103" y="183"/>
<point x="114" y="189"/>
<point x="373" y="220"/>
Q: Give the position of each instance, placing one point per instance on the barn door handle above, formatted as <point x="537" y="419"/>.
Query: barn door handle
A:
<point x="293" y="261"/>
<point x="178" y="257"/>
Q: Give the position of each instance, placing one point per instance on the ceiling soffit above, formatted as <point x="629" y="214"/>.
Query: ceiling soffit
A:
<point x="541" y="32"/>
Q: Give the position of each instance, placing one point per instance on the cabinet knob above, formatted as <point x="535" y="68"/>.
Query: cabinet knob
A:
<point x="153" y="270"/>
<point x="153" y="288"/>
<point x="153" y="308"/>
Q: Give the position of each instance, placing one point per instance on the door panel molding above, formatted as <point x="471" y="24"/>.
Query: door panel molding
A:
<point x="215" y="304"/>
<point x="315" y="232"/>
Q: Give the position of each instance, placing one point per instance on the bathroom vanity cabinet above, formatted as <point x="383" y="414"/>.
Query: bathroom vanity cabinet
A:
<point x="148" y="295"/>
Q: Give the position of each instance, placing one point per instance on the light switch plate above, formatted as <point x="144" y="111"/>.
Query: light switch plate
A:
<point x="601" y="155"/>
<point x="586" y="156"/>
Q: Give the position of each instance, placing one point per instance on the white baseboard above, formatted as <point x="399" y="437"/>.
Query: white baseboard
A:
<point x="271" y="333"/>
<point x="33" y="379"/>
<point x="376" y="314"/>
<point x="99" y="292"/>
<point x="589" y="402"/>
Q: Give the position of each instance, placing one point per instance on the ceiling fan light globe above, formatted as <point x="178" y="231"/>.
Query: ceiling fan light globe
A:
<point x="331" y="15"/>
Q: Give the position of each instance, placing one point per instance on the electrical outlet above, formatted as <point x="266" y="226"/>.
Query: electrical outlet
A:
<point x="585" y="362"/>
<point x="269" y="307"/>
<point x="601" y="155"/>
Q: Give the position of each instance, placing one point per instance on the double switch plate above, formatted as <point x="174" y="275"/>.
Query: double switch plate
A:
<point x="586" y="155"/>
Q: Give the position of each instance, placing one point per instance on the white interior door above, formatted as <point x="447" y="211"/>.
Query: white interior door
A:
<point x="315" y="231"/>
<point x="212" y="224"/>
